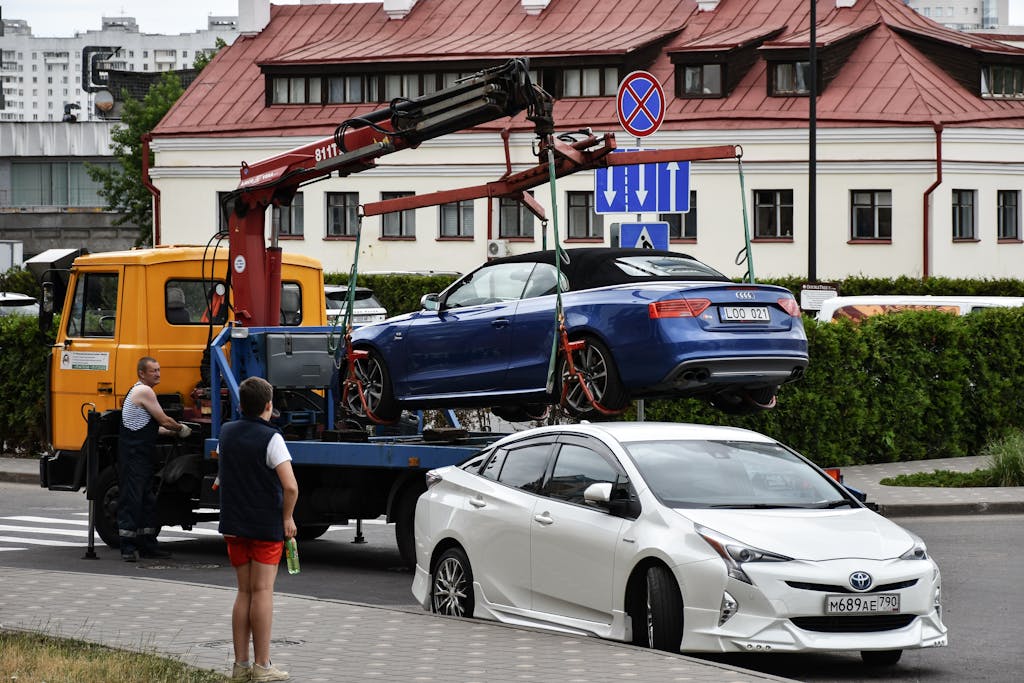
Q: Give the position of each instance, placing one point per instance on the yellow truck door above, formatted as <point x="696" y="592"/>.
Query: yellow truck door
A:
<point x="83" y="364"/>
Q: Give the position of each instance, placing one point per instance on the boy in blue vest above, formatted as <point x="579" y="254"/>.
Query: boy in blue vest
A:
<point x="257" y="497"/>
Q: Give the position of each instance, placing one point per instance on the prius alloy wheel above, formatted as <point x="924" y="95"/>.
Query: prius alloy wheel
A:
<point x="451" y="585"/>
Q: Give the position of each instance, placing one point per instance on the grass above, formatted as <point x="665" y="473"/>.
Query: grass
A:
<point x="1005" y="468"/>
<point x="39" y="658"/>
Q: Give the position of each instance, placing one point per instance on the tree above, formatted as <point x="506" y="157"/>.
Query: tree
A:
<point x="121" y="185"/>
<point x="204" y="57"/>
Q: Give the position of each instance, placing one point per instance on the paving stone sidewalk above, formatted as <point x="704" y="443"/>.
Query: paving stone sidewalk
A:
<point x="330" y="641"/>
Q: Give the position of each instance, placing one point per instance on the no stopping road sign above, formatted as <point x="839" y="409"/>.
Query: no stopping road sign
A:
<point x="640" y="104"/>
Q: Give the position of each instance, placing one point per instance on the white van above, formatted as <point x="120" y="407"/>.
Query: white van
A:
<point x="858" y="307"/>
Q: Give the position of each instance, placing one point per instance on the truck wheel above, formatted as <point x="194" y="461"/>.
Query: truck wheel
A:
<point x="404" y="514"/>
<point x="105" y="518"/>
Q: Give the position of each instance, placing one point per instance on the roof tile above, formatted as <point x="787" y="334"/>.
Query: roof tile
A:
<point x="886" y="80"/>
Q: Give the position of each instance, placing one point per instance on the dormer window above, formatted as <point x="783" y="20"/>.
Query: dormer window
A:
<point x="791" y="78"/>
<point x="589" y="82"/>
<point x="702" y="80"/>
<point x="1002" y="81"/>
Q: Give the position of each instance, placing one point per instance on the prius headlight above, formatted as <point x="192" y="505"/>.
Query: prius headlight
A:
<point x="736" y="554"/>
<point x="918" y="550"/>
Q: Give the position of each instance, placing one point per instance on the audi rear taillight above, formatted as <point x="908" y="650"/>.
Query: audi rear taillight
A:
<point x="789" y="305"/>
<point x="678" y="308"/>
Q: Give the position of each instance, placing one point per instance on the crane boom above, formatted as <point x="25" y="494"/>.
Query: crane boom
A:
<point x="491" y="94"/>
<point x="505" y="90"/>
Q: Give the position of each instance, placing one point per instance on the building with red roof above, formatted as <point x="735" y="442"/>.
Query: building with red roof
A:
<point x="919" y="154"/>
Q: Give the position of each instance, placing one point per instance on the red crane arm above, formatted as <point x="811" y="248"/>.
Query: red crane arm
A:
<point x="356" y="144"/>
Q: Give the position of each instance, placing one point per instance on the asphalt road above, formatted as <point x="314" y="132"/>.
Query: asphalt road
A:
<point x="982" y="599"/>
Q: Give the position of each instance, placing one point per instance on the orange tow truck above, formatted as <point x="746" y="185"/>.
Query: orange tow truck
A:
<point x="213" y="316"/>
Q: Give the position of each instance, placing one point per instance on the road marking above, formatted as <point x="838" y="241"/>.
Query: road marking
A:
<point x="38" y="541"/>
<point x="45" y="532"/>
<point x="35" y="535"/>
<point x="48" y="520"/>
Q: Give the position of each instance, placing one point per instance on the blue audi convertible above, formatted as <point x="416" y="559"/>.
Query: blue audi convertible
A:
<point x="638" y="323"/>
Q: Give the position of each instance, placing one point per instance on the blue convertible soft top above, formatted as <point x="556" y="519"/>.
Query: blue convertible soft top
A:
<point x="590" y="267"/>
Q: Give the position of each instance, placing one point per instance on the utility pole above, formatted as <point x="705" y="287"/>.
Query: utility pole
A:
<point x="812" y="153"/>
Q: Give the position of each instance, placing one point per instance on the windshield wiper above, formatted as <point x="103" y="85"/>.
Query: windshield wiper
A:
<point x="758" y="506"/>
<point x="840" y="503"/>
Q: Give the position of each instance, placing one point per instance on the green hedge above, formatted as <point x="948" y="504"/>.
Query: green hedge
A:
<point x="24" y="352"/>
<point x="904" y="386"/>
<point x="938" y="286"/>
<point x="397" y="293"/>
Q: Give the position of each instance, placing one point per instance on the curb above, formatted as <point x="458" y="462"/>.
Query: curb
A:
<point x="20" y="477"/>
<point x="884" y="509"/>
<point x="938" y="509"/>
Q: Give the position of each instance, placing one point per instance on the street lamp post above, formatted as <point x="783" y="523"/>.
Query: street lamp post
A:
<point x="812" y="154"/>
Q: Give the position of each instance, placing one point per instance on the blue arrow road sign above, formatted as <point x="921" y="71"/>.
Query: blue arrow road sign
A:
<point x="644" y="235"/>
<point x="673" y="186"/>
<point x="663" y="187"/>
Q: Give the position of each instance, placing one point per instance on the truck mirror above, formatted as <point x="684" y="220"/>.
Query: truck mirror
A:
<point x="46" y="307"/>
<point x="47" y="303"/>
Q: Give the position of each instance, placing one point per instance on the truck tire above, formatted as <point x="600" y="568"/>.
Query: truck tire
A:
<point x="105" y="518"/>
<point x="404" y="514"/>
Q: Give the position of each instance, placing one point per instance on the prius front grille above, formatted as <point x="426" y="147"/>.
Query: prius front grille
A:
<point x="854" y="624"/>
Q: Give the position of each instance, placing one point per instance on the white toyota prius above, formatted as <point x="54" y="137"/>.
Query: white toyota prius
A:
<point x="672" y="536"/>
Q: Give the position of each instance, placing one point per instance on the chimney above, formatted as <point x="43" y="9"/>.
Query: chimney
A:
<point x="534" y="6"/>
<point x="253" y="15"/>
<point x="398" y="9"/>
<point x="845" y="3"/>
<point x="707" y="5"/>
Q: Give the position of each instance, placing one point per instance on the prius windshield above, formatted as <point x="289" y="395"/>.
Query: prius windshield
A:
<point x="732" y="474"/>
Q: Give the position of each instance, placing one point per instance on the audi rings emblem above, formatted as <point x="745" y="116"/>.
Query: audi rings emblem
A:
<point x="744" y="294"/>
<point x="860" y="581"/>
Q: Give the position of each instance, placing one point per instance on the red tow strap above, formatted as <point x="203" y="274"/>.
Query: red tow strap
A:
<point x="352" y="383"/>
<point x="568" y="347"/>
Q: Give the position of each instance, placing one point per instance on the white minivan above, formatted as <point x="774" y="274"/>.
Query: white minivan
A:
<point x="858" y="307"/>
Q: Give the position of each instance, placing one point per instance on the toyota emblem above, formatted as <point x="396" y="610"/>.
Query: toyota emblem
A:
<point x="744" y="294"/>
<point x="860" y="581"/>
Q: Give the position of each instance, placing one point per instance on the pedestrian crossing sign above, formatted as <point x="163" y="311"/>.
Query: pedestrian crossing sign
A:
<point x="644" y="235"/>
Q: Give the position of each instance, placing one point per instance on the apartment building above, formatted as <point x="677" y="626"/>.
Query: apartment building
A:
<point x="47" y="79"/>
<point x="965" y="15"/>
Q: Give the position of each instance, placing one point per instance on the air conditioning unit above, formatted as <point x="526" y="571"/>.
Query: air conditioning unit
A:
<point x="497" y="248"/>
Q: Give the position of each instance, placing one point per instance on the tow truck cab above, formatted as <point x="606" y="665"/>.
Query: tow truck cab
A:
<point x="168" y="303"/>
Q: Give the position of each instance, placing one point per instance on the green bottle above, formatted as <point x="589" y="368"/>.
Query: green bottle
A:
<point x="291" y="551"/>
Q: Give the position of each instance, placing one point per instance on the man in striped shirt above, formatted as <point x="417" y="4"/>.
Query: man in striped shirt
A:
<point x="142" y="419"/>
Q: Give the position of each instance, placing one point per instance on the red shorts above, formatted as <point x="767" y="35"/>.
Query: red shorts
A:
<point x="243" y="550"/>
